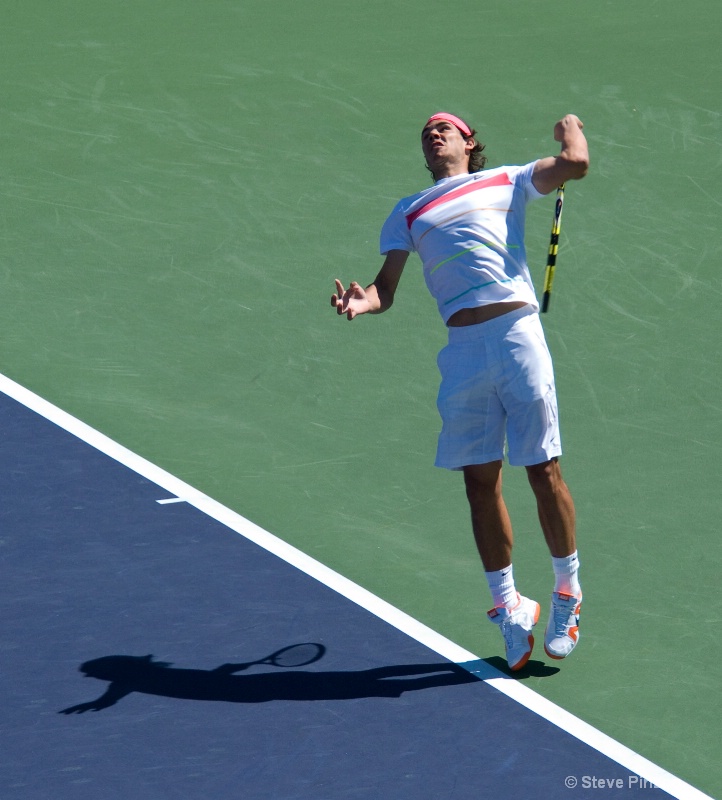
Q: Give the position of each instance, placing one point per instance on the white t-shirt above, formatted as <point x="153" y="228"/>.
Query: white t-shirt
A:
<point x="469" y="232"/>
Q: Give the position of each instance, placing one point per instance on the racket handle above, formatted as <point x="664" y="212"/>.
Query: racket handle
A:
<point x="553" y="249"/>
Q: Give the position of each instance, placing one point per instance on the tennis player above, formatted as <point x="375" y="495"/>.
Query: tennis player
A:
<point x="497" y="382"/>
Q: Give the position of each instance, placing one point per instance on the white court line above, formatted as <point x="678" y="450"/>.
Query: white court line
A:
<point x="514" y="689"/>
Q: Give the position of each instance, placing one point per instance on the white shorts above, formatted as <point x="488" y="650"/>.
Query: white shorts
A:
<point x="497" y="384"/>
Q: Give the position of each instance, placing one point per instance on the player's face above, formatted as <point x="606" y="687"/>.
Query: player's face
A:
<point x="443" y="143"/>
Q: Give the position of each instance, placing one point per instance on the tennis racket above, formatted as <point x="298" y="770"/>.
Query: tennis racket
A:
<point x="295" y="655"/>
<point x="553" y="249"/>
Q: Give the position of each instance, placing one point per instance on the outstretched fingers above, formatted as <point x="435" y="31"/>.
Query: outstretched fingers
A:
<point x="343" y="300"/>
<point x="337" y="299"/>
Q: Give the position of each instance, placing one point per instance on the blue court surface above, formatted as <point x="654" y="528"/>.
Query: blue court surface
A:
<point x="110" y="565"/>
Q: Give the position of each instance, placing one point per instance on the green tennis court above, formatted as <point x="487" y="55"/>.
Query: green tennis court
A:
<point x="182" y="182"/>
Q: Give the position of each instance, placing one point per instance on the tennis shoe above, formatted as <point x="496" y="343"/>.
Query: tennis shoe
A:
<point x="562" y="631"/>
<point x="516" y="628"/>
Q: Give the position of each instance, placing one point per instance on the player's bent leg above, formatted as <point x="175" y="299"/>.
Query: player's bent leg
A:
<point x="494" y="540"/>
<point x="490" y="520"/>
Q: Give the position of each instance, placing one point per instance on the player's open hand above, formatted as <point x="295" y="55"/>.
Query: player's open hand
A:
<point x="351" y="301"/>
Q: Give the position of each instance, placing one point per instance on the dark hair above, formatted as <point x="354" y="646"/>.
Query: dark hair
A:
<point x="477" y="159"/>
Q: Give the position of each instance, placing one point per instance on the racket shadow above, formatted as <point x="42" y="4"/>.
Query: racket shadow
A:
<point x="141" y="674"/>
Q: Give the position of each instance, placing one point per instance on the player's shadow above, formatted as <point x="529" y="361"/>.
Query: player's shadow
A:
<point x="128" y="674"/>
<point x="532" y="669"/>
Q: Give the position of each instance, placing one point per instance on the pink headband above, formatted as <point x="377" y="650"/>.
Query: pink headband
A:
<point x="455" y="121"/>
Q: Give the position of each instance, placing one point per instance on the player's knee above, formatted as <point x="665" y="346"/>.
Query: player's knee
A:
<point x="545" y="478"/>
<point x="482" y="481"/>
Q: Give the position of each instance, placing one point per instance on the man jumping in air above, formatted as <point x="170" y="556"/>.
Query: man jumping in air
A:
<point x="497" y="381"/>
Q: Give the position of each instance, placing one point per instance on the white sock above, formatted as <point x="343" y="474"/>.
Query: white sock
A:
<point x="566" y="574"/>
<point x="501" y="585"/>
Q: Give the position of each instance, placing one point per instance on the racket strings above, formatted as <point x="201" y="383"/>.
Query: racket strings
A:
<point x="297" y="655"/>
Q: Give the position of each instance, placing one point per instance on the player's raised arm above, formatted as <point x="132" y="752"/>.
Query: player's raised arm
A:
<point x="573" y="161"/>
<point x="377" y="296"/>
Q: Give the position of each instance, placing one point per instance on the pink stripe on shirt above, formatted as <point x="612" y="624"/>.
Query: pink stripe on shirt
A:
<point x="498" y="180"/>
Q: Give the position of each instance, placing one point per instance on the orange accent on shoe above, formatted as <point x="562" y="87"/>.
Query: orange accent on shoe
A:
<point x="575" y="597"/>
<point x="523" y="660"/>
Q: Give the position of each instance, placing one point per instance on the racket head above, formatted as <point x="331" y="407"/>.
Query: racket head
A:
<point x="297" y="655"/>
